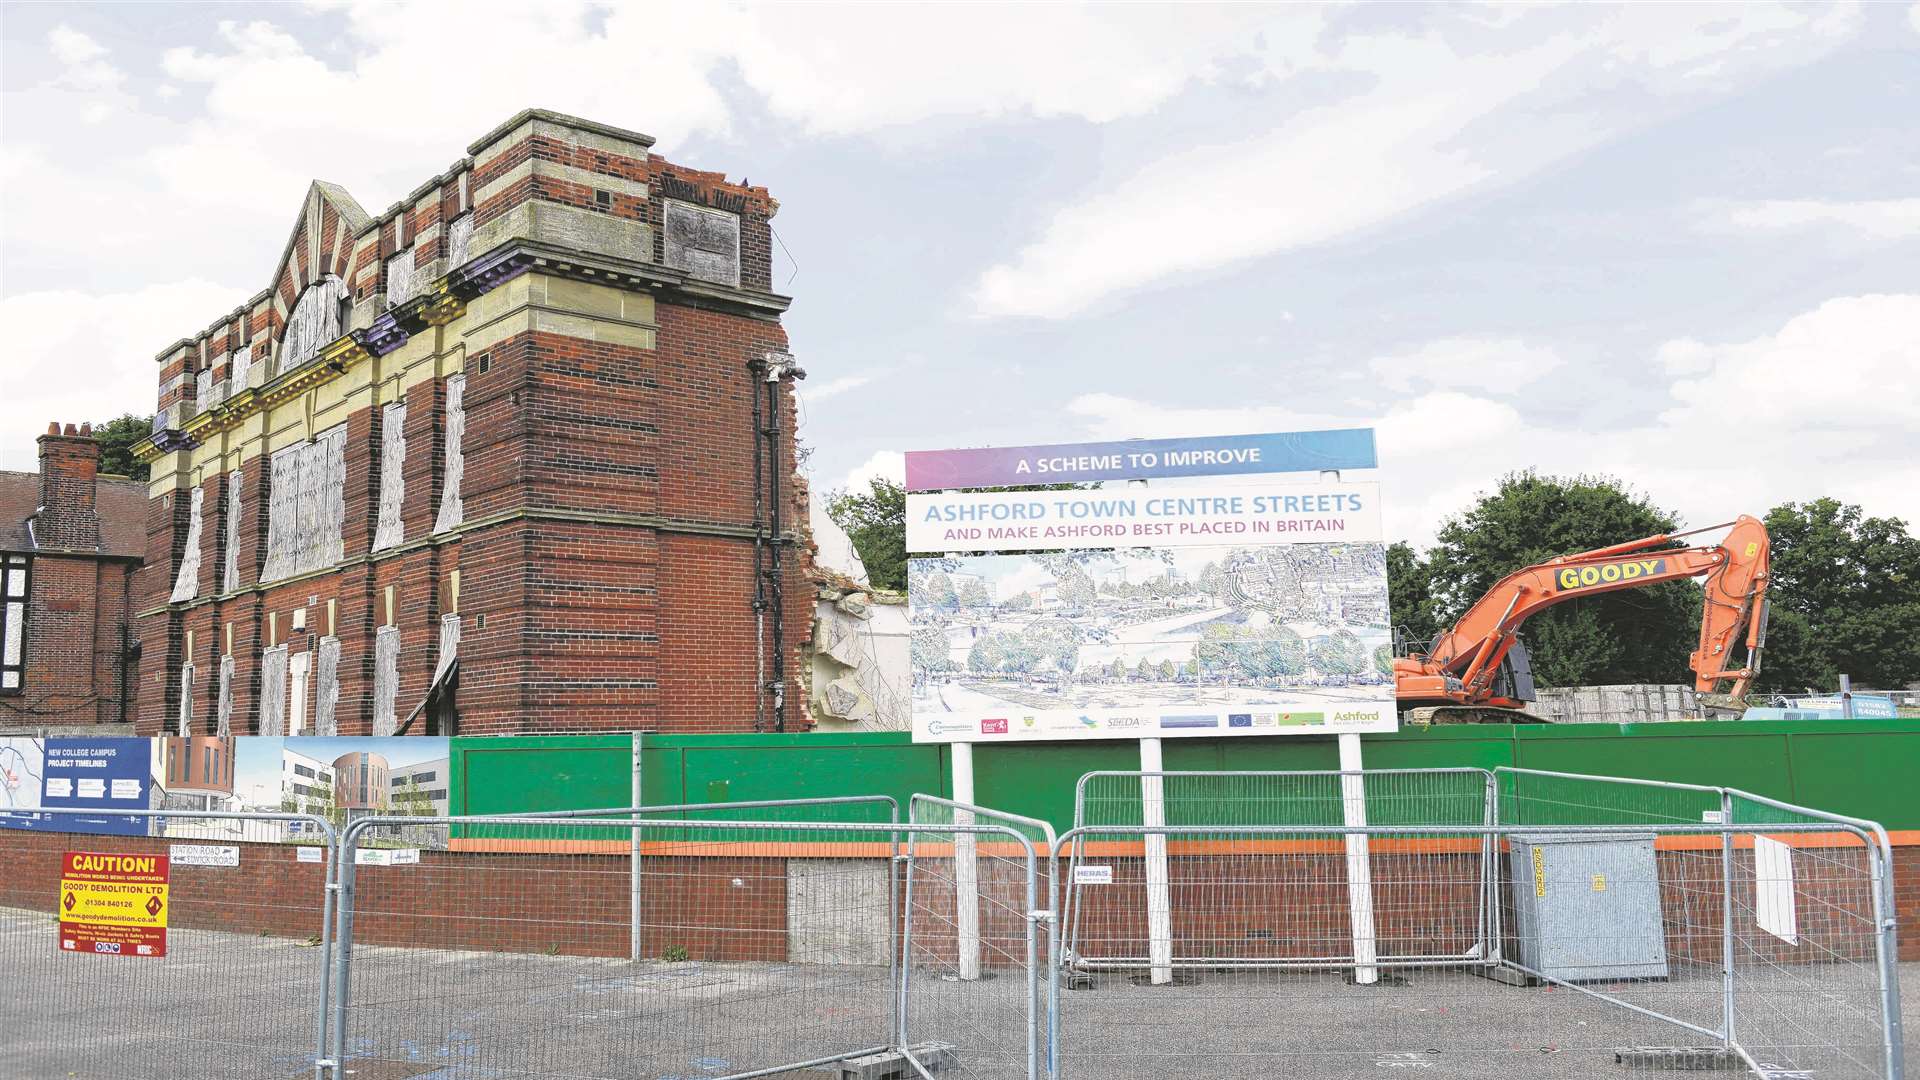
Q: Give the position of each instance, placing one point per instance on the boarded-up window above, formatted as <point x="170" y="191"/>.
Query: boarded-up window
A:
<point x="401" y="280"/>
<point x="186" y="584"/>
<point x="452" y="509"/>
<point x="273" y="691"/>
<point x="314" y="323"/>
<point x="391" y="529"/>
<point x="223" y="714"/>
<point x="386" y="679"/>
<point x="239" y="367"/>
<point x="186" y="700"/>
<point x="326" y="687"/>
<point x="306" y="506"/>
<point x="230" y="573"/>
<point x="459" y="241"/>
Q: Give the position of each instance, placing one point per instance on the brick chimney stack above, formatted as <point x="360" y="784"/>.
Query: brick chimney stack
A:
<point x="68" y="517"/>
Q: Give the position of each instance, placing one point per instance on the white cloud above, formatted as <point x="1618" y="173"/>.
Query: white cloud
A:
<point x="1477" y="363"/>
<point x="849" y="70"/>
<point x="833" y="387"/>
<point x="885" y="464"/>
<point x="1848" y="364"/>
<point x="86" y="71"/>
<point x="1824" y="406"/>
<point x="1438" y="119"/>
<point x="86" y="357"/>
<point x="1880" y="219"/>
<point x="71" y="47"/>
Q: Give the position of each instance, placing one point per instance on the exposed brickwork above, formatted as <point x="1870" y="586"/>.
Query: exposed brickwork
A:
<point x="606" y="555"/>
<point x="80" y="581"/>
<point x="733" y="907"/>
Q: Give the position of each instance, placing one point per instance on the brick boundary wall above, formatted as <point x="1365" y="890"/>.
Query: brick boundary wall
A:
<point x="725" y="907"/>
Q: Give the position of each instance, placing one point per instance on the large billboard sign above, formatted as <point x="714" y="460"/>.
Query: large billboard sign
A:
<point x="1141" y="459"/>
<point x="98" y="776"/>
<point x="1135" y="612"/>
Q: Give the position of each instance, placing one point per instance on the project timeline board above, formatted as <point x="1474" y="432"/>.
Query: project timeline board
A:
<point x="1191" y="609"/>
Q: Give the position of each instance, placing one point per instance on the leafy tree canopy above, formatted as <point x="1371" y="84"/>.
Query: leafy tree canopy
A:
<point x="1846" y="599"/>
<point x="876" y="523"/>
<point x="116" y="438"/>
<point x="1634" y="635"/>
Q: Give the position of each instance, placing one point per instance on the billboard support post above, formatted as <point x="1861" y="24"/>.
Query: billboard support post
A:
<point x="1353" y="799"/>
<point x="633" y="860"/>
<point x="966" y="867"/>
<point x="1153" y="814"/>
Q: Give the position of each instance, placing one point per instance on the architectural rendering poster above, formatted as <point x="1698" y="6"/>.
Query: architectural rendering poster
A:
<point x="1172" y="611"/>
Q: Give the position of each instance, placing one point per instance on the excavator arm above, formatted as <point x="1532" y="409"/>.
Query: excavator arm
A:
<point x="1461" y="665"/>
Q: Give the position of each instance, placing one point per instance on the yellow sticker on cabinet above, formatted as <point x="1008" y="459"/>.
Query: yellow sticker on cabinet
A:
<point x="1599" y="883"/>
<point x="1539" y="871"/>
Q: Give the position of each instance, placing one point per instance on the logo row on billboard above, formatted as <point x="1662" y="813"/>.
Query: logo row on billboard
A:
<point x="1133" y="725"/>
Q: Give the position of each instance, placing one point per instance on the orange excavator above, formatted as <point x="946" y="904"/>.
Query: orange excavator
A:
<point x="1477" y="670"/>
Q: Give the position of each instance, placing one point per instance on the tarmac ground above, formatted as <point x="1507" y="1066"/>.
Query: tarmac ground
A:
<point x="223" y="1006"/>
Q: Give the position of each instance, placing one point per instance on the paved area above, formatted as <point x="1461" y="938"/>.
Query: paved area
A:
<point x="237" y="1007"/>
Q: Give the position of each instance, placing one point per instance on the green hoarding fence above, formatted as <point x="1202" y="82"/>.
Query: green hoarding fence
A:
<point x="1862" y="768"/>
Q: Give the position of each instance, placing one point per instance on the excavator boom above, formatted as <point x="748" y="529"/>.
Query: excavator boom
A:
<point x="1462" y="665"/>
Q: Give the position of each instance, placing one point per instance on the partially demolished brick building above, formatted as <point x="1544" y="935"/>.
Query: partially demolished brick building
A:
<point x="514" y="456"/>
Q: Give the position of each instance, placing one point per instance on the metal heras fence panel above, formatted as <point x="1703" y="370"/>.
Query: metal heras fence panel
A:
<point x="162" y="944"/>
<point x="1222" y="800"/>
<point x="1498" y="1016"/>
<point x="979" y="939"/>
<point x="1799" y="928"/>
<point x="707" y="941"/>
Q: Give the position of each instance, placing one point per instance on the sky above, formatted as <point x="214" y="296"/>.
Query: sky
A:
<point x="1678" y="246"/>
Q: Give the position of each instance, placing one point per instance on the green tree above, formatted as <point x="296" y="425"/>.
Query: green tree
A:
<point x="1339" y="654"/>
<point x="1056" y="639"/>
<point x="116" y="438"/>
<point x="1410" y="590"/>
<point x="1075" y="587"/>
<point x="935" y="590"/>
<point x="1845" y="591"/>
<point x="1282" y="653"/>
<point x="927" y="649"/>
<point x="986" y="655"/>
<point x="1166" y="671"/>
<point x="876" y="523"/>
<point x="1017" y="602"/>
<point x="1020" y="657"/>
<point x="1117" y="670"/>
<point x="1383" y="659"/>
<point x="973" y="594"/>
<point x="1633" y="635"/>
<point x="1145" y="669"/>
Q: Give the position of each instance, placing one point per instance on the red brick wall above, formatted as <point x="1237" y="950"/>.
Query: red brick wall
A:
<point x="722" y="908"/>
<point x="77" y="617"/>
<point x="589" y="624"/>
<point x="727" y="907"/>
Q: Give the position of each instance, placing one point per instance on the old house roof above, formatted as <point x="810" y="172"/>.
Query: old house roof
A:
<point x="122" y="505"/>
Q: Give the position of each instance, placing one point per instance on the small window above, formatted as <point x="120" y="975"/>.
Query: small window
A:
<point x="13" y="623"/>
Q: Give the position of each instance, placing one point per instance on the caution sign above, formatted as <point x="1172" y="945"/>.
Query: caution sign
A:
<point x="114" y="905"/>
